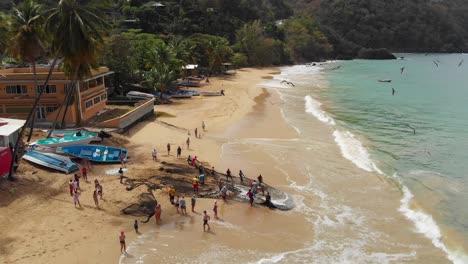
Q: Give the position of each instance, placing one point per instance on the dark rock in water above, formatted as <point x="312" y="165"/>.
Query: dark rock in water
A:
<point x="375" y="54"/>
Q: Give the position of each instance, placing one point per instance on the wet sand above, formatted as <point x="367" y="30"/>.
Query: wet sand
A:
<point x="245" y="130"/>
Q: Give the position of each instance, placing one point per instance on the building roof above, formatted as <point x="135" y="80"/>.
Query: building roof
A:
<point x="26" y="74"/>
<point x="9" y="126"/>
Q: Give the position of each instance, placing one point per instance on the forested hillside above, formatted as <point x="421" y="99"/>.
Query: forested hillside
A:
<point x="410" y="26"/>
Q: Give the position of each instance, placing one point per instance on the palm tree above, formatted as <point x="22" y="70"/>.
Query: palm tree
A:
<point x="218" y="51"/>
<point x="4" y="34"/>
<point x="165" y="70"/>
<point x="26" y="44"/>
<point x="79" y="28"/>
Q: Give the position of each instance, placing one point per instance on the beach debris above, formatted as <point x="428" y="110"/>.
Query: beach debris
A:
<point x="114" y="171"/>
<point x="414" y="130"/>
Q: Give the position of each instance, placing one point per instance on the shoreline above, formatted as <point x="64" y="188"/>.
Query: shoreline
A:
<point x="238" y="136"/>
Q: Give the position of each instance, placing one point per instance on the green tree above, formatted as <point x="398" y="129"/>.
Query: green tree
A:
<point x="77" y="36"/>
<point x="218" y="52"/>
<point x="165" y="70"/>
<point x="26" y="44"/>
<point x="304" y="40"/>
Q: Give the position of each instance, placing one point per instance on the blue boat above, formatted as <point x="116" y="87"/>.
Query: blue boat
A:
<point x="96" y="153"/>
<point x="51" y="160"/>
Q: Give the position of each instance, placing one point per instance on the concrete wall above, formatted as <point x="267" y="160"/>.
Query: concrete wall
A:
<point x="141" y="111"/>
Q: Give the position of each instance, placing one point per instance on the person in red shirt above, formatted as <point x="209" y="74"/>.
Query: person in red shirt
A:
<point x="84" y="172"/>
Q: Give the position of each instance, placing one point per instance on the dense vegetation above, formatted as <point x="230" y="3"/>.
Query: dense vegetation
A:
<point x="263" y="32"/>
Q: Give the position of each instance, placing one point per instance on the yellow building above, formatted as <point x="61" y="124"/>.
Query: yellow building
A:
<point x="17" y="95"/>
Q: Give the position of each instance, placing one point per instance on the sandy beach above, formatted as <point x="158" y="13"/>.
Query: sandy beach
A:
<point x="40" y="223"/>
<point x="245" y="129"/>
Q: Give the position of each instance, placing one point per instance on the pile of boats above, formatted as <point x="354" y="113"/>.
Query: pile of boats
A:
<point x="58" y="151"/>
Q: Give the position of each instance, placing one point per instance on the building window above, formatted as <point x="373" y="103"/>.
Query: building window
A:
<point x="97" y="100"/>
<point x="89" y="103"/>
<point x="104" y="96"/>
<point x="48" y="90"/>
<point x="51" y="108"/>
<point x="16" y="89"/>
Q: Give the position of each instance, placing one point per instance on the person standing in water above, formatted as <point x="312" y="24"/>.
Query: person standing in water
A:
<point x="123" y="248"/>
<point x="251" y="197"/>
<point x="206" y="218"/>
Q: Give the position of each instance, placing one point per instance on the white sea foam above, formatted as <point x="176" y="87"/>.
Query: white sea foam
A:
<point x="313" y="107"/>
<point x="426" y="225"/>
<point x="352" y="149"/>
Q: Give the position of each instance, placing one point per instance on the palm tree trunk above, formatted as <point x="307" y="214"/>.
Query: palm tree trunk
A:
<point x="33" y="111"/>
<point x="66" y="102"/>
<point x="72" y="87"/>
<point x="34" y="114"/>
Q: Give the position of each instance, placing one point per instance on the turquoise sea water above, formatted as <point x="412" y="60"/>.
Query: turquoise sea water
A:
<point x="433" y="161"/>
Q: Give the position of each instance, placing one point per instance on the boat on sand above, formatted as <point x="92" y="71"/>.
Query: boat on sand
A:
<point x="51" y="160"/>
<point x="64" y="141"/>
<point x="96" y="153"/>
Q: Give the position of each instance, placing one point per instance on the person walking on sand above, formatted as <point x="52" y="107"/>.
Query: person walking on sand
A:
<point x="135" y="226"/>
<point x="99" y="189"/>
<point x="188" y="143"/>
<point x="95" y="198"/>
<point x="183" y="205"/>
<point x="193" y="201"/>
<point x="206" y="218"/>
<point x="215" y="210"/>
<point x="77" y="180"/>
<point x="168" y="149"/>
<point x="84" y="172"/>
<point x="122" y="160"/>
<point x="196" y="132"/>
<point x="203" y="125"/>
<point x="155" y="155"/>
<point x="177" y="204"/>
<point x="121" y="174"/>
<point x="179" y="151"/>
<point x="171" y="192"/>
<point x="123" y="248"/>
<point x="70" y="187"/>
<point x="157" y="213"/>
<point x="241" y="176"/>
<point x="76" y="198"/>
<point x="228" y="175"/>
